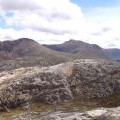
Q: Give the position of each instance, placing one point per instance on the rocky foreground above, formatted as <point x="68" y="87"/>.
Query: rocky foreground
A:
<point x="97" y="114"/>
<point x="86" y="79"/>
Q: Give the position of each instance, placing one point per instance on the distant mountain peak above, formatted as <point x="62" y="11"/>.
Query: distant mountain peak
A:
<point x="83" y="49"/>
<point x="25" y="39"/>
<point x="73" y="41"/>
<point x="25" y="47"/>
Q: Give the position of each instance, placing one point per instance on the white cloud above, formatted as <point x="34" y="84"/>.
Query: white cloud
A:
<point x="55" y="21"/>
<point x="41" y="37"/>
<point x="53" y="16"/>
<point x="104" y="27"/>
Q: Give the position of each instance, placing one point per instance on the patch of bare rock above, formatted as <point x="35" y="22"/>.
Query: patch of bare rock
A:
<point x="97" y="114"/>
<point x="59" y="83"/>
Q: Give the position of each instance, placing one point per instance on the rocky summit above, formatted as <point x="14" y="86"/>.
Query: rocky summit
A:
<point x="60" y="83"/>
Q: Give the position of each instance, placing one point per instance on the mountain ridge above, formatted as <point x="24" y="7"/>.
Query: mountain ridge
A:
<point x="27" y="52"/>
<point x="80" y="48"/>
<point x="25" y="47"/>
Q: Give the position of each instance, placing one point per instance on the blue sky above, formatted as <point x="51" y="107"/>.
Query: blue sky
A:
<point x="2" y="23"/>
<point x="89" y="7"/>
<point x="88" y="4"/>
<point x="56" y="21"/>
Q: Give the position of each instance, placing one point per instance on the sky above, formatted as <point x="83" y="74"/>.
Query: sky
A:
<point x="57" y="21"/>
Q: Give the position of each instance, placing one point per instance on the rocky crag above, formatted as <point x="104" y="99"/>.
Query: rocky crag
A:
<point x="81" y="78"/>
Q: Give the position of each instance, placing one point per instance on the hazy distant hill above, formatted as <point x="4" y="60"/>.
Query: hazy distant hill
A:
<point x="114" y="53"/>
<point x="82" y="49"/>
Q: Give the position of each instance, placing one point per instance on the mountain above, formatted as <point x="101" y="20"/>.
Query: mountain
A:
<point x="81" y="49"/>
<point x="113" y="53"/>
<point x="23" y="47"/>
<point x="27" y="51"/>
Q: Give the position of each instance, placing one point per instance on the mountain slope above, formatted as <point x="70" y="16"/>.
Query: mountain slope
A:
<point x="23" y="47"/>
<point x="81" y="49"/>
<point x="28" y="50"/>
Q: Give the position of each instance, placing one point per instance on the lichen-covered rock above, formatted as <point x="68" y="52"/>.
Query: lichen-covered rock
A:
<point x="59" y="83"/>
<point x="95" y="79"/>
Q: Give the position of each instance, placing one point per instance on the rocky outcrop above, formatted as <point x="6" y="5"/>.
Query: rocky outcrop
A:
<point x="59" y="83"/>
<point x="97" y="114"/>
<point x="93" y="79"/>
